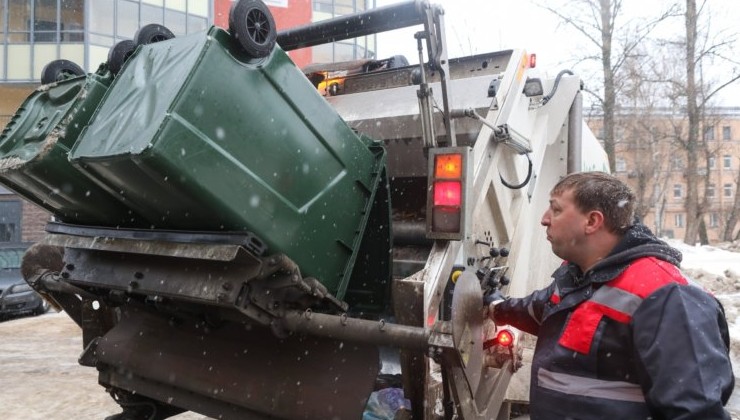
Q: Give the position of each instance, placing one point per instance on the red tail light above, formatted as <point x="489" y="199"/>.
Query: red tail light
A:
<point x="447" y="193"/>
<point x="505" y="338"/>
<point x="448" y="172"/>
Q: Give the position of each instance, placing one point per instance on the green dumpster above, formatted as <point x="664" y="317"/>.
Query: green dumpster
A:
<point x="34" y="147"/>
<point x="196" y="134"/>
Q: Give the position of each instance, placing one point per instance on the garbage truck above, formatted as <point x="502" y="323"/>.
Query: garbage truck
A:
<point x="245" y="239"/>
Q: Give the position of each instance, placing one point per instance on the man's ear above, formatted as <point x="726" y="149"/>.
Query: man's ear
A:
<point x="594" y="221"/>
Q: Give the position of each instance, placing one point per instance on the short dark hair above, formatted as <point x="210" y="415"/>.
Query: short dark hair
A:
<point x="603" y="192"/>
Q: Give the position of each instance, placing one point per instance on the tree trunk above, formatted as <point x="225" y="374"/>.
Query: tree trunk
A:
<point x="692" y="194"/>
<point x="609" y="88"/>
<point x="734" y="212"/>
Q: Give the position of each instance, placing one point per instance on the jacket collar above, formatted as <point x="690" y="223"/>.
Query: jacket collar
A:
<point x="637" y="242"/>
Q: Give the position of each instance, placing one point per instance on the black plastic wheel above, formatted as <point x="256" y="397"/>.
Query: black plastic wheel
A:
<point x="252" y="25"/>
<point x="59" y="70"/>
<point x="119" y="54"/>
<point x="151" y="33"/>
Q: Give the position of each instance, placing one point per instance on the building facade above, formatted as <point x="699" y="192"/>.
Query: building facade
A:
<point x="651" y="160"/>
<point x="36" y="32"/>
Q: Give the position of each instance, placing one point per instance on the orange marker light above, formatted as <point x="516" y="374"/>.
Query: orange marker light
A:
<point x="448" y="166"/>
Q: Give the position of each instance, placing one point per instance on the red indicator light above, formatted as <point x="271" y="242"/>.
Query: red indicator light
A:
<point x="448" y="166"/>
<point x="532" y="60"/>
<point x="447" y="193"/>
<point x="505" y="338"/>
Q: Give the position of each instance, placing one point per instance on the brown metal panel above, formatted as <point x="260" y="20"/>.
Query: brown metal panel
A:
<point x="296" y="377"/>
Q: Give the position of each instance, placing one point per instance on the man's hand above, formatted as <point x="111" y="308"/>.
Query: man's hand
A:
<point x="490" y="300"/>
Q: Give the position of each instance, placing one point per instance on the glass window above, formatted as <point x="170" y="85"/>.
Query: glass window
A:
<point x="19" y="19"/>
<point x="711" y="162"/>
<point x="727" y="161"/>
<point x="128" y="19"/>
<point x="677" y="191"/>
<point x="710" y="191"/>
<point x="45" y="20"/>
<point x="197" y="24"/>
<point x="709" y="133"/>
<point x="678" y="220"/>
<point x="726" y="133"/>
<point x="323" y="53"/>
<point x="676" y="163"/>
<point x="727" y="190"/>
<point x="326" y="6"/>
<point x="713" y="220"/>
<point x="2" y="22"/>
<point x="198" y="7"/>
<point x="344" y="7"/>
<point x="176" y="5"/>
<point x="104" y="40"/>
<point x="10" y="221"/>
<point x="151" y="14"/>
<point x="73" y="20"/>
<point x="101" y="17"/>
<point x="621" y="165"/>
<point x="176" y="22"/>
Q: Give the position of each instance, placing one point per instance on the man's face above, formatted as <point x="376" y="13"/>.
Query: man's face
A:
<point x="565" y="226"/>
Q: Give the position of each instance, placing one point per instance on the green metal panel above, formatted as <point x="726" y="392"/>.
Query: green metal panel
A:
<point x="34" y="147"/>
<point x="196" y="135"/>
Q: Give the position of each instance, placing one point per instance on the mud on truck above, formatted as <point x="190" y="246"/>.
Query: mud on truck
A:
<point x="244" y="239"/>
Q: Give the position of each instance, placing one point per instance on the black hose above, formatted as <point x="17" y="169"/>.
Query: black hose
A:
<point x="547" y="97"/>
<point x="526" y="180"/>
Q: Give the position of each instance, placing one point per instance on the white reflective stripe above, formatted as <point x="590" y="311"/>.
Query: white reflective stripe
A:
<point x="589" y="387"/>
<point x="621" y="300"/>
<point x="530" y="311"/>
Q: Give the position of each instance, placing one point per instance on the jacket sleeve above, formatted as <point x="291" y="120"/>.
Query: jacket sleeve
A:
<point x="524" y="313"/>
<point x="685" y="364"/>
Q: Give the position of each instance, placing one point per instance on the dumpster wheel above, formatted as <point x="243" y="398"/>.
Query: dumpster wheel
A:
<point x="59" y="70"/>
<point x="151" y="33"/>
<point x="119" y="54"/>
<point x="252" y="25"/>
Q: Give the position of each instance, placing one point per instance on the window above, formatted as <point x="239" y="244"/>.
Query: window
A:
<point x="727" y="190"/>
<point x="677" y="191"/>
<point x="712" y="162"/>
<point x="678" y="220"/>
<point x="726" y="133"/>
<point x="727" y="161"/>
<point x="10" y="221"/>
<point x="710" y="191"/>
<point x="621" y="165"/>
<point x="713" y="220"/>
<point x="676" y="163"/>
<point x="709" y="133"/>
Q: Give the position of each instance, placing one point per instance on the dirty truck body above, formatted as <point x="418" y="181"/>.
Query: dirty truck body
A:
<point x="252" y="322"/>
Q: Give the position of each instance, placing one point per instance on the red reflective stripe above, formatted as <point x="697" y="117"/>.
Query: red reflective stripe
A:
<point x="647" y="275"/>
<point x="582" y="325"/>
<point x="642" y="278"/>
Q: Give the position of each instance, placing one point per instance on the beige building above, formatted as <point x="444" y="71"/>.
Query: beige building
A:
<point x="650" y="157"/>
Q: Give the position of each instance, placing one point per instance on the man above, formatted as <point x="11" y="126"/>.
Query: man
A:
<point x="621" y="333"/>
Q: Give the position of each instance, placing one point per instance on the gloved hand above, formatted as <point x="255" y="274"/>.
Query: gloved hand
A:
<point x="490" y="300"/>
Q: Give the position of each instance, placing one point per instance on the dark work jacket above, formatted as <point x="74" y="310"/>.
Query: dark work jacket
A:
<point x="629" y="339"/>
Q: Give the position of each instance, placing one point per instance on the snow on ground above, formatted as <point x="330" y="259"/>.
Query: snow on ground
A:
<point x="41" y="379"/>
